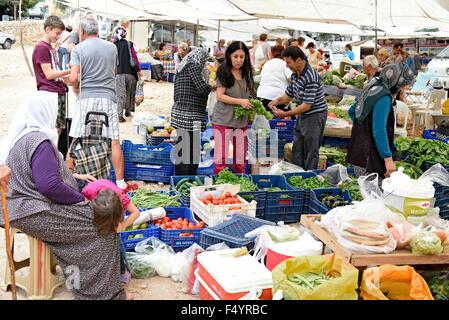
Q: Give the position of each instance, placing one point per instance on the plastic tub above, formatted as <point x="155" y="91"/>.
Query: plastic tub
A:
<point x="231" y="278"/>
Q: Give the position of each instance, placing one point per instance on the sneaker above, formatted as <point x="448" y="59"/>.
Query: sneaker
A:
<point x="121" y="119"/>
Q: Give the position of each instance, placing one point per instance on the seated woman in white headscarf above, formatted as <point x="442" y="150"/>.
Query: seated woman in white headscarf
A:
<point x="44" y="202"/>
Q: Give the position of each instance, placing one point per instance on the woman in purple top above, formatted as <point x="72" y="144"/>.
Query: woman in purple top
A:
<point x="44" y="202"/>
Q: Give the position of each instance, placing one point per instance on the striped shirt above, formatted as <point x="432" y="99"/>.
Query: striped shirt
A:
<point x="308" y="88"/>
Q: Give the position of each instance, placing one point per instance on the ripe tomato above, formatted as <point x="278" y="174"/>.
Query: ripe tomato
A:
<point x="228" y="195"/>
<point x="215" y="202"/>
<point x="167" y="219"/>
<point x="210" y="197"/>
<point x="223" y="197"/>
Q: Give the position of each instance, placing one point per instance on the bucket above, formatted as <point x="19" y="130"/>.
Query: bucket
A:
<point x="407" y="196"/>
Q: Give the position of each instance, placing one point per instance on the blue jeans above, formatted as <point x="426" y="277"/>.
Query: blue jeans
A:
<point x="64" y="58"/>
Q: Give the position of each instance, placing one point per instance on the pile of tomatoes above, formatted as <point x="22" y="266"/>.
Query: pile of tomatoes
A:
<point x="226" y="198"/>
<point x="178" y="224"/>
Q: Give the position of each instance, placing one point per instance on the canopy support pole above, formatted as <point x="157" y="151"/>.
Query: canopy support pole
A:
<point x="219" y="27"/>
<point x="375" y="28"/>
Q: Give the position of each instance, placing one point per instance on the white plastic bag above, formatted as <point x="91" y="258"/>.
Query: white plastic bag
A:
<point x="436" y="174"/>
<point x="179" y="261"/>
<point x="283" y="167"/>
<point x="188" y="277"/>
<point x="139" y="97"/>
<point x="261" y="128"/>
<point x="369" y="187"/>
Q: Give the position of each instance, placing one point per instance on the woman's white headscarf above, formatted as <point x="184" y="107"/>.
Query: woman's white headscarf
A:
<point x="37" y="113"/>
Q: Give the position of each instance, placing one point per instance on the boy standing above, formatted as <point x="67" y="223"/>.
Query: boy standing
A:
<point x="46" y="67"/>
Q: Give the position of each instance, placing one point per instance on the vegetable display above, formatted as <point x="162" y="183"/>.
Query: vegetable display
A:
<point x="426" y="242"/>
<point x="409" y="169"/>
<point x="338" y="113"/>
<point x="149" y="199"/>
<point x="227" y="177"/>
<point x="438" y="282"/>
<point x="184" y="185"/>
<point x="225" y="199"/>
<point x="334" y="155"/>
<point x="420" y="150"/>
<point x="332" y="78"/>
<point x="353" y="188"/>
<point x="179" y="224"/>
<point x="258" y="108"/>
<point x="358" y="81"/>
<point x="310" y="280"/>
<point x="140" y="266"/>
<point x="308" y="183"/>
<point x="134" y="228"/>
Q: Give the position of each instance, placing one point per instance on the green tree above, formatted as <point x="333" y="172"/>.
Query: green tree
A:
<point x="13" y="5"/>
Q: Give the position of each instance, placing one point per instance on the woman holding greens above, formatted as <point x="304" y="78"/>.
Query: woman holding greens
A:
<point x="234" y="87"/>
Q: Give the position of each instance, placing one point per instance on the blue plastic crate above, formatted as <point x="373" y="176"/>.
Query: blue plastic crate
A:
<point x="259" y="196"/>
<point x="233" y="232"/>
<point x="145" y="66"/>
<point x="336" y="142"/>
<point x="267" y="148"/>
<point x="205" y="171"/>
<point x="149" y="172"/>
<point x="139" y="153"/>
<point x="282" y="205"/>
<point x="432" y="135"/>
<point x="350" y="170"/>
<point x="174" y="238"/>
<point x="442" y="200"/>
<point x="156" y="141"/>
<point x="427" y="165"/>
<point x="312" y="205"/>
<point x="130" y="244"/>
<point x="285" y="128"/>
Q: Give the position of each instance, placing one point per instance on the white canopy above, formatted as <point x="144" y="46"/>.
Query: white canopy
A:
<point x="391" y="13"/>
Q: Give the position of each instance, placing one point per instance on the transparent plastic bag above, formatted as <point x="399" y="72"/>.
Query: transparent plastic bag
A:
<point x="140" y="265"/>
<point x="336" y="174"/>
<point x="369" y="187"/>
<point x="261" y="126"/>
<point x="188" y="277"/>
<point x="178" y="263"/>
<point x="218" y="246"/>
<point x="436" y="174"/>
<point x="159" y="254"/>
<point x="139" y="97"/>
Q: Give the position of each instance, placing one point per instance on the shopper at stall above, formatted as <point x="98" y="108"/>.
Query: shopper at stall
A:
<point x="183" y="50"/>
<point x="219" y="51"/>
<point x="306" y="88"/>
<point x="251" y="53"/>
<point x="313" y="56"/>
<point x="188" y="114"/>
<point x="43" y="202"/>
<point x="275" y="78"/>
<point x="98" y="60"/>
<point x="262" y="53"/>
<point x="127" y="74"/>
<point x="349" y="53"/>
<point x="382" y="57"/>
<point x="301" y="42"/>
<point x="235" y="85"/>
<point x="371" y="67"/>
<point x="371" y="146"/>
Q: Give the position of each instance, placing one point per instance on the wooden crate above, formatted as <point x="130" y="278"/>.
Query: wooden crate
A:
<point x="399" y="257"/>
<point x="338" y="132"/>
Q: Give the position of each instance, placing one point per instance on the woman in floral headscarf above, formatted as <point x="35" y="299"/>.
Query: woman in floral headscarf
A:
<point x="371" y="147"/>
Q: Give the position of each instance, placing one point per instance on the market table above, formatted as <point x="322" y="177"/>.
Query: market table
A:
<point x="399" y="257"/>
<point x="337" y="132"/>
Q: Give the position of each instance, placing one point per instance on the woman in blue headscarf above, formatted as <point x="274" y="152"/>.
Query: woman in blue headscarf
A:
<point x="372" y="138"/>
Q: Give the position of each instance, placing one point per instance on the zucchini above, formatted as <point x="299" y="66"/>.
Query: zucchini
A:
<point x="181" y="182"/>
<point x="198" y="180"/>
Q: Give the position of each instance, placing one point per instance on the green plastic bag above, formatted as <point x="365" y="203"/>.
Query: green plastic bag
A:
<point x="342" y="284"/>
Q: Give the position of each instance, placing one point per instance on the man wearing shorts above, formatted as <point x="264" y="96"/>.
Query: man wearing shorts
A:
<point x="46" y="67"/>
<point x="97" y="59"/>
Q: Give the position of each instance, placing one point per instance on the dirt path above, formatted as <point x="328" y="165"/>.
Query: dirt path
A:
<point x="15" y="82"/>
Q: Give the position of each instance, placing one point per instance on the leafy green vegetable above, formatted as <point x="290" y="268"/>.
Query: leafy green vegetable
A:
<point x="308" y="183"/>
<point x="227" y="177"/>
<point x="333" y="155"/>
<point x="332" y="201"/>
<point x="353" y="188"/>
<point x="409" y="169"/>
<point x="258" y="108"/>
<point x="426" y="242"/>
<point x="438" y="282"/>
<point x="149" y="199"/>
<point x="420" y="150"/>
<point x="140" y="265"/>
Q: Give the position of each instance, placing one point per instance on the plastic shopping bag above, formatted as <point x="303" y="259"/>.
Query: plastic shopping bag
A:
<point x="336" y="174"/>
<point x="188" y="269"/>
<point x="159" y="254"/>
<point x="389" y="282"/>
<point x="139" y="92"/>
<point x="342" y="284"/>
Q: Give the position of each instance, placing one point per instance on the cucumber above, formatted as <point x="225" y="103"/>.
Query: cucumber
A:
<point x="198" y="180"/>
<point x="181" y="182"/>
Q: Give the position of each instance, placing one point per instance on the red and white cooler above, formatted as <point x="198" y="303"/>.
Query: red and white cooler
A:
<point x="225" y="277"/>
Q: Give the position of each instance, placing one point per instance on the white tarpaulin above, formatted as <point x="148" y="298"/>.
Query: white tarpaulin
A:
<point x="391" y="13"/>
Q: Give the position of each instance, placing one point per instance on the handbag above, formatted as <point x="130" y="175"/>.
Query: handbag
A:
<point x="132" y="62"/>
